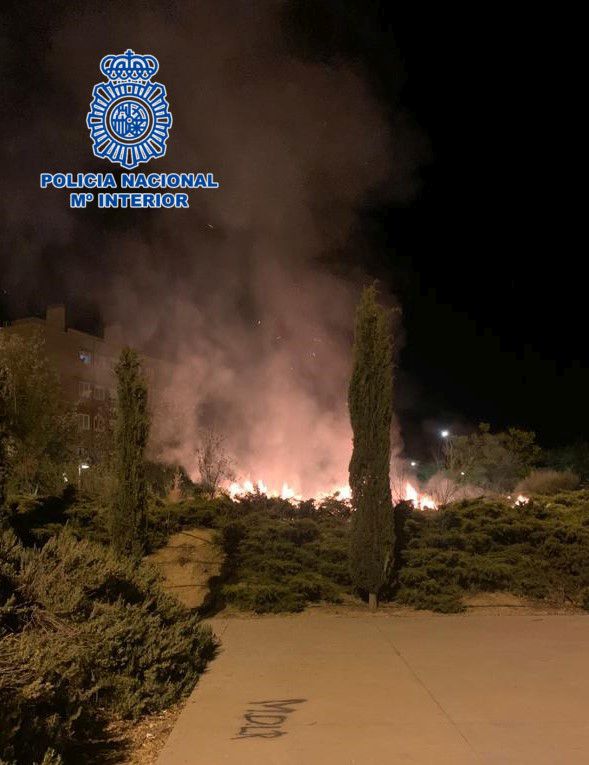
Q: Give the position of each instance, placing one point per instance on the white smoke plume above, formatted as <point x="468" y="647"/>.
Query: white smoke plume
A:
<point x="242" y="292"/>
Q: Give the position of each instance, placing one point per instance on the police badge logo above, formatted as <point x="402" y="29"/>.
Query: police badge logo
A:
<point x="129" y="118"/>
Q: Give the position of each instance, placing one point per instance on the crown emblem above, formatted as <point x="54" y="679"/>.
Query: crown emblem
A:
<point x="129" y="67"/>
<point x="129" y="118"/>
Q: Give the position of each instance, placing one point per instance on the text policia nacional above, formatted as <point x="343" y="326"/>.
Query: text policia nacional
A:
<point x="131" y="181"/>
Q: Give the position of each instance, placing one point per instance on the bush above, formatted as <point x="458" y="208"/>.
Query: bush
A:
<point x="282" y="557"/>
<point x="166" y="518"/>
<point x="161" y="479"/>
<point x="267" y="542"/>
<point x="547" y="482"/>
<point x="85" y="636"/>
<point x="539" y="550"/>
<point x="264" y="598"/>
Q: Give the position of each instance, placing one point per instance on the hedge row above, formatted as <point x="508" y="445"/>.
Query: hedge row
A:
<point x="540" y="550"/>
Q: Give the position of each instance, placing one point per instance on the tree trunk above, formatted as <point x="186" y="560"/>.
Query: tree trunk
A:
<point x="372" y="601"/>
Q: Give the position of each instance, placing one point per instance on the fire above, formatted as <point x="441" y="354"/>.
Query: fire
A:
<point x="342" y="493"/>
<point x="420" y="501"/>
<point x="402" y="490"/>
<point x="237" y="490"/>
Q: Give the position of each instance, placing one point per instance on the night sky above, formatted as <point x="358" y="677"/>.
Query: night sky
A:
<point x="480" y="259"/>
<point x="483" y="261"/>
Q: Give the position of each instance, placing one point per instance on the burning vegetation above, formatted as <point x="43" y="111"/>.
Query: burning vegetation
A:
<point x="408" y="493"/>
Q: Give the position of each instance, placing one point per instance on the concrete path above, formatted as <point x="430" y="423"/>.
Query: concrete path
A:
<point x="324" y="689"/>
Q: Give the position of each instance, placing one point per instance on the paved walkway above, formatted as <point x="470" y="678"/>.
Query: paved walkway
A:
<point x="323" y="689"/>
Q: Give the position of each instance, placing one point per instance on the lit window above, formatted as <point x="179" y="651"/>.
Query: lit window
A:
<point x="84" y="389"/>
<point x="84" y="421"/>
<point x="99" y="423"/>
<point x="99" y="393"/>
<point x="85" y="356"/>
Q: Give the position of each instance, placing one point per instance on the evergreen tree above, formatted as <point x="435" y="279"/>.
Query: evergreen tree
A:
<point x="370" y="404"/>
<point x="36" y="424"/>
<point x="129" y="509"/>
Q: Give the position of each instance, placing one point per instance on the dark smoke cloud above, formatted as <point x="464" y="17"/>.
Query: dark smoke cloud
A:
<point x="234" y="289"/>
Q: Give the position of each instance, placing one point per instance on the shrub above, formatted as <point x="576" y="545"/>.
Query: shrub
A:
<point x="280" y="559"/>
<point x="84" y="636"/>
<point x="302" y="530"/>
<point x="547" y="482"/>
<point x="167" y="518"/>
<point x="264" y="597"/>
<point x="161" y="479"/>
<point x="539" y="550"/>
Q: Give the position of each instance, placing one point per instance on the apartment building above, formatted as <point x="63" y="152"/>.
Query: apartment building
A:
<point x="85" y="365"/>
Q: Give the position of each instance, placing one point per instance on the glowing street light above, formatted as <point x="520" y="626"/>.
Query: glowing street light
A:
<point x="413" y="463"/>
<point x="82" y="466"/>
<point x="444" y="433"/>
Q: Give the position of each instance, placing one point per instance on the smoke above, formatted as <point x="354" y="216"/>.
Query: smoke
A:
<point x="236" y="293"/>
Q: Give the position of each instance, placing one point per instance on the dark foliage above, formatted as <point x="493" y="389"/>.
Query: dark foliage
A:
<point x="540" y="550"/>
<point x="35" y="519"/>
<point x="85" y="636"/>
<point x="36" y="426"/>
<point x="370" y="403"/>
<point x="574" y="457"/>
<point x="493" y="461"/>
<point x="161" y="477"/>
<point x="128" y="521"/>
<point x="167" y="518"/>
<point x="280" y="557"/>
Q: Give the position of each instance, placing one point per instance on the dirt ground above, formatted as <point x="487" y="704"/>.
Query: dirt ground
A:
<point x="187" y="562"/>
<point x="503" y="683"/>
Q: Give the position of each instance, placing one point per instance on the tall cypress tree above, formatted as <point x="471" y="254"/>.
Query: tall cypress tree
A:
<point x="129" y="510"/>
<point x="370" y="402"/>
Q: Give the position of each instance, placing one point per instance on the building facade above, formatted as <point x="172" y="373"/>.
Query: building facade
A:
<point x="85" y="364"/>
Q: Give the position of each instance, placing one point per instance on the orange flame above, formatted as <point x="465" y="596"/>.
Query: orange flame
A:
<point x="237" y="490"/>
<point x="341" y="493"/>
<point x="420" y="501"/>
<point x="521" y="500"/>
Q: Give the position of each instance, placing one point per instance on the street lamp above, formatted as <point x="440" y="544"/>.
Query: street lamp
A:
<point x="444" y="433"/>
<point x="82" y="466"/>
<point x="413" y="463"/>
